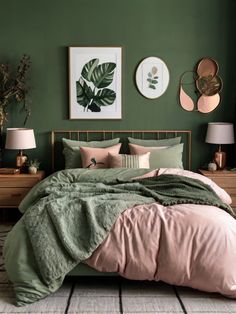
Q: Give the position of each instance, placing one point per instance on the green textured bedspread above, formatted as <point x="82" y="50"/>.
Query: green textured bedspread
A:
<point x="67" y="215"/>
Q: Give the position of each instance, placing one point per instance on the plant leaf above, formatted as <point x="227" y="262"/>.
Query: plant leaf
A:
<point x="88" y="69"/>
<point x="149" y="80"/>
<point x="84" y="93"/>
<point x="94" y="108"/>
<point x="104" y="97"/>
<point x="102" y="75"/>
<point x="152" y="86"/>
<point x="154" y="81"/>
<point x="149" y="74"/>
<point x="154" y="70"/>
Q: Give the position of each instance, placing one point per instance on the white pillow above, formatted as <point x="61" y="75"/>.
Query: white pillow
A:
<point x="129" y="161"/>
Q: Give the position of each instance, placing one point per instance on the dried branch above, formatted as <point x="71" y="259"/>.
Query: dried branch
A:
<point x="13" y="87"/>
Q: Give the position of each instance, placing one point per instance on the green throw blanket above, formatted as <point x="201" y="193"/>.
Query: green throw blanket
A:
<point x="69" y="214"/>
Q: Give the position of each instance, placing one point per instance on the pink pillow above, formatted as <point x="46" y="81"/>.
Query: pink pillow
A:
<point x="95" y="158"/>
<point x="138" y="150"/>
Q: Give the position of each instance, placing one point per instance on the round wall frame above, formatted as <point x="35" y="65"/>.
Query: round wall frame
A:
<point x="152" y="77"/>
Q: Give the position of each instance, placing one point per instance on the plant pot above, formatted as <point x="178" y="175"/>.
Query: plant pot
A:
<point x="32" y="170"/>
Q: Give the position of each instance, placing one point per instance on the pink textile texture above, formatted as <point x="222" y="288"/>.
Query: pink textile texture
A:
<point x="100" y="155"/>
<point x="138" y="150"/>
<point x="186" y="245"/>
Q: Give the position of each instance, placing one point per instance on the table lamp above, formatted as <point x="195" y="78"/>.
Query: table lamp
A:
<point x="20" y="138"/>
<point x="220" y="133"/>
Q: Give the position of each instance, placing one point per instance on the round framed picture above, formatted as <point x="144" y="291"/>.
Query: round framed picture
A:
<point x="152" y="77"/>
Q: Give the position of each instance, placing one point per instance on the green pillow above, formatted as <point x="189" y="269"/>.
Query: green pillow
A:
<point x="170" y="157"/>
<point x="72" y="153"/>
<point x="155" y="143"/>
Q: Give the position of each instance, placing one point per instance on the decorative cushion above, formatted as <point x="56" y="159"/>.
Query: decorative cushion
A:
<point x="72" y="150"/>
<point x="155" y="143"/>
<point x="129" y="161"/>
<point x="170" y="157"/>
<point x="138" y="150"/>
<point x="95" y="158"/>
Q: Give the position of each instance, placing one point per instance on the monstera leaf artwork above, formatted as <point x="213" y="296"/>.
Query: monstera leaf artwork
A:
<point x="95" y="82"/>
<point x="92" y="91"/>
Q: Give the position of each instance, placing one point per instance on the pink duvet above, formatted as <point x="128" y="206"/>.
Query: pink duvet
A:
<point x="188" y="245"/>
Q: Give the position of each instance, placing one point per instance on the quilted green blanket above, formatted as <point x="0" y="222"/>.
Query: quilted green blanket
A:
<point x="69" y="214"/>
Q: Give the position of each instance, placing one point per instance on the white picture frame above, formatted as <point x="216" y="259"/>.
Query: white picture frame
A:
<point x="152" y="77"/>
<point x="95" y="83"/>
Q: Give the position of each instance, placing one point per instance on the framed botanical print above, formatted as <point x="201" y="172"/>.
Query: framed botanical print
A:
<point x="152" y="77"/>
<point x="95" y="82"/>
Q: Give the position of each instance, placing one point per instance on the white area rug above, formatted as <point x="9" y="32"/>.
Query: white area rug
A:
<point x="114" y="295"/>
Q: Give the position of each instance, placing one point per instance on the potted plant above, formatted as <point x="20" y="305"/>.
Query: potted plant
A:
<point x="33" y="166"/>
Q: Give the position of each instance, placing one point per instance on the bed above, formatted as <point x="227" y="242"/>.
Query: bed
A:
<point x="96" y="135"/>
<point x="160" y="223"/>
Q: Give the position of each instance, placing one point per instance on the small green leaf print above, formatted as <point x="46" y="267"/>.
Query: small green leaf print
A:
<point x="152" y="78"/>
<point x="152" y="86"/>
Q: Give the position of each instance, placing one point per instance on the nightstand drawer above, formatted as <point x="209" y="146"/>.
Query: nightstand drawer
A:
<point x="225" y="182"/>
<point x="233" y="197"/>
<point x="12" y="196"/>
<point x="16" y="181"/>
<point x="230" y="191"/>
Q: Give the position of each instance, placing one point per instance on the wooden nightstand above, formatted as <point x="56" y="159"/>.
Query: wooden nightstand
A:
<point x="13" y="187"/>
<point x="226" y="180"/>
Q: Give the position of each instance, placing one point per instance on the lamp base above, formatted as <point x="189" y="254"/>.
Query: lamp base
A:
<point x="21" y="160"/>
<point x="220" y="159"/>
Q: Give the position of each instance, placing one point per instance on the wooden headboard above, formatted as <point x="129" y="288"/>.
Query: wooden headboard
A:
<point x="96" y="135"/>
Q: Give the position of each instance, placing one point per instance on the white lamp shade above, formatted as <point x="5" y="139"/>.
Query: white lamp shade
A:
<point x="20" y="138"/>
<point x="220" y="133"/>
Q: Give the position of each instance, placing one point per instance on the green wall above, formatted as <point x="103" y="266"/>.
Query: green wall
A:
<point x="180" y="32"/>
